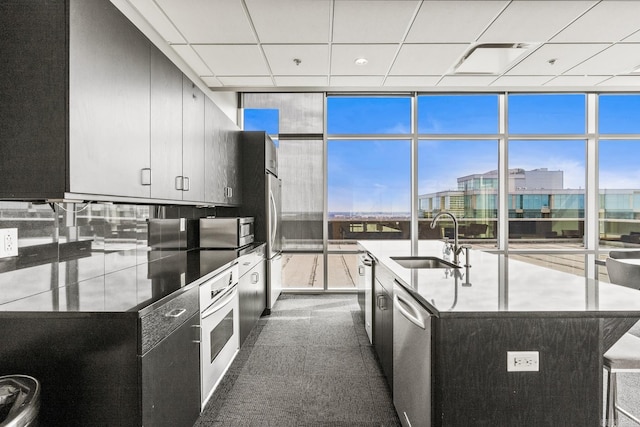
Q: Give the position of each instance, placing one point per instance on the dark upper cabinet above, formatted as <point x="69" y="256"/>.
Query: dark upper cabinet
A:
<point x="192" y="178"/>
<point x="222" y="157"/>
<point x="166" y="127"/>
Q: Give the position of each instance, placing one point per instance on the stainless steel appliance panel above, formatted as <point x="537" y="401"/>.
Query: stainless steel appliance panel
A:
<point x="274" y="218"/>
<point x="411" y="360"/>
<point x="226" y="232"/>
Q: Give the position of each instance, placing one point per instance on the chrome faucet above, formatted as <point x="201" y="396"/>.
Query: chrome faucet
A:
<point x="456" y="248"/>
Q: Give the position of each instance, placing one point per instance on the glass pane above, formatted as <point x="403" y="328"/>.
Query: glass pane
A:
<point x="302" y="271"/>
<point x="466" y="186"/>
<point x="458" y="114"/>
<point x="300" y="165"/>
<point x="368" y="115"/>
<point x="261" y="119"/>
<point x="619" y="194"/>
<point x="547" y="113"/>
<point x="343" y="271"/>
<point x="369" y="190"/>
<point x="619" y="113"/>
<point x="546" y="193"/>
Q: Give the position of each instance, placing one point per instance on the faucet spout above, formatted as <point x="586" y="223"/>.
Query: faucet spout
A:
<point x="456" y="248"/>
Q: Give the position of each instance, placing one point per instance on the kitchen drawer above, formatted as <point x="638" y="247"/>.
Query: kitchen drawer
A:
<point x="250" y="260"/>
<point x="168" y="317"/>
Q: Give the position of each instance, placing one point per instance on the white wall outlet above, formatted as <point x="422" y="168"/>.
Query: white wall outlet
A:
<point x="523" y="361"/>
<point x="8" y="242"/>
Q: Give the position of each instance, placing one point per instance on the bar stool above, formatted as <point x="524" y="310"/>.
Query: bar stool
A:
<point x="624" y="355"/>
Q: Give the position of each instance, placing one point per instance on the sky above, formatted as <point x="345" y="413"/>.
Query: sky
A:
<point x="374" y="175"/>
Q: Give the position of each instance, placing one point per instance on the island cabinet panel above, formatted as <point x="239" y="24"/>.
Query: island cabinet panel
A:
<point x="472" y="385"/>
<point x="383" y="321"/>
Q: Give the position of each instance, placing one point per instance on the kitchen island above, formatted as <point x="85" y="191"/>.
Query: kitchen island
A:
<point x="500" y="305"/>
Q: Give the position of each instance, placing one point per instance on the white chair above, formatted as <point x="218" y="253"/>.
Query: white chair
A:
<point x="624" y="355"/>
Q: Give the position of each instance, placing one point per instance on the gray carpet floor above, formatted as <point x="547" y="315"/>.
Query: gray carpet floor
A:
<point x="307" y="364"/>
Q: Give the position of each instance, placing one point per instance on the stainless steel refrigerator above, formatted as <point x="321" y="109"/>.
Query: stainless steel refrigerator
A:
<point x="261" y="199"/>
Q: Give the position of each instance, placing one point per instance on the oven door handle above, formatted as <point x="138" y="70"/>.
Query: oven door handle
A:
<point x="221" y="303"/>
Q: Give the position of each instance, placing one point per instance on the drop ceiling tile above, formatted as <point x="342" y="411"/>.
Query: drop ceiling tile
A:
<point x="209" y="21"/>
<point x="291" y="21"/>
<point x="246" y="81"/>
<point x="470" y="81"/>
<point x="192" y="59"/>
<point x="211" y="81"/>
<point x="428" y="59"/>
<point x="533" y="21"/>
<point x="227" y="60"/>
<point x="618" y="59"/>
<point x="356" y="81"/>
<point x="576" y="80"/>
<point x="565" y="55"/>
<point x="411" y="81"/>
<point x="314" y="59"/>
<point x="621" y="81"/>
<point x="301" y="81"/>
<point x="453" y="21"/>
<point x="377" y="21"/>
<point x="608" y="21"/>
<point x="379" y="57"/>
<point x="635" y="37"/>
<point x="521" y="81"/>
<point x="158" y="20"/>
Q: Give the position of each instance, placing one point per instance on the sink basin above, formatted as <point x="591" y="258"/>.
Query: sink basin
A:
<point x="423" y="262"/>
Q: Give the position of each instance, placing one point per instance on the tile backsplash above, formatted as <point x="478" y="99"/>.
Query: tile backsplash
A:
<point x="63" y="244"/>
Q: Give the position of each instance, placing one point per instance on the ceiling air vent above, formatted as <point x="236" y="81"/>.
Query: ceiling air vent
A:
<point x="490" y="58"/>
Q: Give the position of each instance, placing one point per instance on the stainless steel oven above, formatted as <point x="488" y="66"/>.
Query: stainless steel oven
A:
<point x="226" y="232"/>
<point x="220" y="328"/>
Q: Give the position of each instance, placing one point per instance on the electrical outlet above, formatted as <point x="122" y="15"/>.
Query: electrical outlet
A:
<point x="8" y="242"/>
<point x="523" y="361"/>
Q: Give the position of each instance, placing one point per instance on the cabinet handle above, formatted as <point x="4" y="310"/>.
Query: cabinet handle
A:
<point x="254" y="278"/>
<point x="176" y="312"/>
<point x="379" y="299"/>
<point x="186" y="186"/>
<point x="361" y="271"/>
<point x="145" y="176"/>
<point x="179" y="183"/>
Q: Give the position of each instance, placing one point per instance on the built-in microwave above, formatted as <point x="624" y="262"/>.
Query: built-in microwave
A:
<point x="226" y="232"/>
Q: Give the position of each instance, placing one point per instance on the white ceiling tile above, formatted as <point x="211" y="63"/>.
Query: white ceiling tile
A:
<point x="211" y="81"/>
<point x="301" y="81"/>
<point x="576" y="80"/>
<point x="621" y="81"/>
<point x="209" y="21"/>
<point x="470" y="81"/>
<point x="533" y="21"/>
<point x="377" y="21"/>
<point x="411" y="81"/>
<point x="240" y="60"/>
<point x="246" y="81"/>
<point x="428" y="59"/>
<point x="192" y="59"/>
<point x="379" y="57"/>
<point x="453" y="21"/>
<point x="356" y="81"/>
<point x="291" y="21"/>
<point x="635" y="37"/>
<point x="314" y="59"/>
<point x="618" y="59"/>
<point x="565" y="55"/>
<point x="158" y="20"/>
<point x="520" y="81"/>
<point x="608" y="21"/>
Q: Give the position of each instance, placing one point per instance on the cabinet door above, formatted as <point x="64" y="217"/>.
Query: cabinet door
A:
<point x="171" y="378"/>
<point x="245" y="297"/>
<point x="192" y="141"/>
<point x="109" y="136"/>
<point x="258" y="281"/>
<point x="166" y="127"/>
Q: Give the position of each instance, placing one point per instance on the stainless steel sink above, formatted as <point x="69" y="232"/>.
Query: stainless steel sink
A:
<point x="423" y="262"/>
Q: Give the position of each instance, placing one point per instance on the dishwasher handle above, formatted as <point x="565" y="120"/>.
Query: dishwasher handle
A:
<point x="416" y="317"/>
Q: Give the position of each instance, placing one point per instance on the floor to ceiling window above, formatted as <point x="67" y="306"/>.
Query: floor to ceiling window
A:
<point x="345" y="162"/>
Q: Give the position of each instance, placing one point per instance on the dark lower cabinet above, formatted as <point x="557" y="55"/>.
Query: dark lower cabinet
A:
<point x="252" y="292"/>
<point x="383" y="321"/>
<point x="171" y="378"/>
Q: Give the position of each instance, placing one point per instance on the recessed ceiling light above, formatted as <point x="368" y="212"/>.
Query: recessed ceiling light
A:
<point x="491" y="58"/>
<point x="361" y="61"/>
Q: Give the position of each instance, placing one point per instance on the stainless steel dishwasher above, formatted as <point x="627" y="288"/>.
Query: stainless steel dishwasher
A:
<point x="411" y="359"/>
